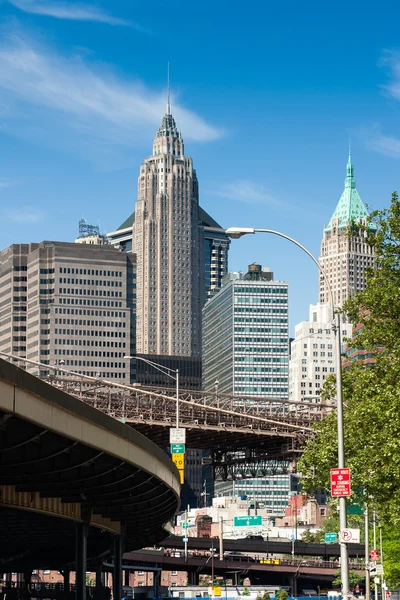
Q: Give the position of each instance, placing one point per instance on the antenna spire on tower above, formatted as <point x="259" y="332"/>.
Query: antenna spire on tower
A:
<point x="169" y="94"/>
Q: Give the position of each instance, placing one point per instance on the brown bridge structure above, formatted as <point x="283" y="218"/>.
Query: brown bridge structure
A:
<point x="245" y="436"/>
<point x="76" y="485"/>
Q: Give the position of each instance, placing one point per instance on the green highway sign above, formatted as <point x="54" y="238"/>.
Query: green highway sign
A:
<point x="177" y="448"/>
<point x="330" y="537"/>
<point x="185" y="525"/>
<point x="248" y="521"/>
<point x="355" y="509"/>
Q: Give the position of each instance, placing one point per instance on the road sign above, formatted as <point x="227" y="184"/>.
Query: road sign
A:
<point x="340" y="482"/>
<point x="177" y="435"/>
<point x="376" y="570"/>
<point x="292" y="538"/>
<point x="350" y="536"/>
<point x="181" y="474"/>
<point x="374" y="554"/>
<point x="214" y="591"/>
<point x="388" y="595"/>
<point x="179" y="460"/>
<point x="354" y="509"/>
<point x="185" y="539"/>
<point x="330" y="538"/>
<point x="248" y="521"/>
<point x="177" y="448"/>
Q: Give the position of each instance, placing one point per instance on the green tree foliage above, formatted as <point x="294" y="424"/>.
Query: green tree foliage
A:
<point x="246" y="591"/>
<point x="281" y="594"/>
<point x="371" y="395"/>
<point x="331" y="525"/>
<point x="354" y="579"/>
<point x="263" y="596"/>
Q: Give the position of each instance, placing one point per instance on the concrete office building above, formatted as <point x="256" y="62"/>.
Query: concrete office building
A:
<point x="215" y="248"/>
<point x="345" y="257"/>
<point x="67" y="302"/>
<point x="312" y="356"/>
<point x="245" y="336"/>
<point x="167" y="241"/>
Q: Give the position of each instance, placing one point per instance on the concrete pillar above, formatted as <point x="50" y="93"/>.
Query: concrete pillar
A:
<point x="117" y="572"/>
<point x="126" y="576"/>
<point x="66" y="576"/>
<point x="193" y="578"/>
<point x="80" y="561"/>
<point x="156" y="583"/>
<point x="293" y="585"/>
<point x="99" y="573"/>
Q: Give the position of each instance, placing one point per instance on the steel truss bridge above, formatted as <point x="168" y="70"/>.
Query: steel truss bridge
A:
<point x="245" y="436"/>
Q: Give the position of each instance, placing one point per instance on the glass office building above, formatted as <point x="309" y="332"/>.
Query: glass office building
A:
<point x="245" y="336"/>
<point x="246" y="349"/>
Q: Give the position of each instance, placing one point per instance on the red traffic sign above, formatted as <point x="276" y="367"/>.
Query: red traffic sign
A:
<point x="388" y="595"/>
<point x="340" y="482"/>
<point x="374" y="555"/>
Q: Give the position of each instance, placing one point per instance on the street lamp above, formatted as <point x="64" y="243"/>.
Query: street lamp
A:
<point x="166" y="371"/>
<point x="237" y="232"/>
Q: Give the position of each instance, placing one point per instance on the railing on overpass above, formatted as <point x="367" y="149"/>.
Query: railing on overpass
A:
<point x="266" y="430"/>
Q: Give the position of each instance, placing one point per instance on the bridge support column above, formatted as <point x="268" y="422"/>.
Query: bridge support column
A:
<point x="80" y="561"/>
<point x="156" y="583"/>
<point x="193" y="578"/>
<point x="293" y="585"/>
<point x="66" y="576"/>
<point x="126" y="577"/>
<point x="117" y="572"/>
<point x="99" y="573"/>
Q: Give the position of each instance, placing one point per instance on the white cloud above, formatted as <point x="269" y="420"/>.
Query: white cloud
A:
<point x="387" y="144"/>
<point x="70" y="11"/>
<point x="391" y="60"/>
<point x="384" y="144"/>
<point x="22" y="215"/>
<point x="5" y="182"/>
<point x="246" y="191"/>
<point x="70" y="95"/>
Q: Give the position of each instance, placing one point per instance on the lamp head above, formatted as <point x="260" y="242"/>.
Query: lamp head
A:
<point x="237" y="232"/>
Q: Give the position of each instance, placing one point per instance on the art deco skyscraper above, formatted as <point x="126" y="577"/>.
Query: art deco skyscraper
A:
<point x="345" y="256"/>
<point x="168" y="241"/>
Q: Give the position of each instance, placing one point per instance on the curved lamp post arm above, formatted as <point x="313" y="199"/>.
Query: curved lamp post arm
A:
<point x="237" y="232"/>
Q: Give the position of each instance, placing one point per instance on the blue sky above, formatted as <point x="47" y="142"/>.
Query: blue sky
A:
<point x="266" y="95"/>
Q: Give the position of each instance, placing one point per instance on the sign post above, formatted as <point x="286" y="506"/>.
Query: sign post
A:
<point x="340" y="483"/>
<point x="177" y="439"/>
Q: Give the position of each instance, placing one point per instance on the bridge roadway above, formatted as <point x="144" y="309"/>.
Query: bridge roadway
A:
<point x="247" y="546"/>
<point x="260" y="569"/>
<point x="264" y="431"/>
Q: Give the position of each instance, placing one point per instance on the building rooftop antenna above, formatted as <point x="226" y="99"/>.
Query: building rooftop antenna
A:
<point x="169" y="94"/>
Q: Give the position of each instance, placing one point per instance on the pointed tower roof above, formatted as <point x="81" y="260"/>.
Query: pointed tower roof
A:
<point x="350" y="206"/>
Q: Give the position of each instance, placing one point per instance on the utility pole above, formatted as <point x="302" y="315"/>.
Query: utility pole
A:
<point x="212" y="568"/>
<point x="376" y="579"/>
<point x="186" y="536"/>
<point x="367" y="573"/>
<point x="221" y="539"/>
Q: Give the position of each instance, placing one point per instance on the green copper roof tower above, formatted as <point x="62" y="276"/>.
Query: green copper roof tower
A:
<point x="350" y="206"/>
<point x="345" y="254"/>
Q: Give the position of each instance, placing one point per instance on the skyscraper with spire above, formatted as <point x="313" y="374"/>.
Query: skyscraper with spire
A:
<point x="345" y="256"/>
<point x="168" y="241"/>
